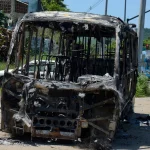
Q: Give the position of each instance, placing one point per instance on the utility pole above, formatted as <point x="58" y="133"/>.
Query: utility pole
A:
<point x="141" y="32"/>
<point x="125" y="9"/>
<point x="106" y="6"/>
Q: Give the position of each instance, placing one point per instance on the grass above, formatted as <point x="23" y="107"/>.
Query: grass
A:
<point x="3" y="66"/>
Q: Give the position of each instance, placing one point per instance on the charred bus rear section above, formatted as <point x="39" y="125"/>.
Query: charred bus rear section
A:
<point x="82" y="79"/>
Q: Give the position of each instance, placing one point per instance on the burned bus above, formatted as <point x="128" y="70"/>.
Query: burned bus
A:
<point x="80" y="86"/>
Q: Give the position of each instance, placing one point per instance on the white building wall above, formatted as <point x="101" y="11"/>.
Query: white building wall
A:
<point x="14" y="16"/>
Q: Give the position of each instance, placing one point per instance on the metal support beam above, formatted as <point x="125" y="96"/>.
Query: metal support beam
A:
<point x="136" y="16"/>
<point x="141" y="32"/>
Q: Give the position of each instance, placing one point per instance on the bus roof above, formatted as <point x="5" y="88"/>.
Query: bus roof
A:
<point x="59" y="16"/>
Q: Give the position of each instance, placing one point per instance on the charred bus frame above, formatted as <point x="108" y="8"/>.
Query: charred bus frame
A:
<point x="89" y="90"/>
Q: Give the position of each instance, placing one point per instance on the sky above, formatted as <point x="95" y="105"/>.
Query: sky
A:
<point x="115" y="8"/>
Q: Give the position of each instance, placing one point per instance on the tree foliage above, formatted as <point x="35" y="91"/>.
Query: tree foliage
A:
<point x="146" y="33"/>
<point x="5" y="37"/>
<point x="142" y="87"/>
<point x="3" y="20"/>
<point x="54" y="5"/>
<point x="146" y="41"/>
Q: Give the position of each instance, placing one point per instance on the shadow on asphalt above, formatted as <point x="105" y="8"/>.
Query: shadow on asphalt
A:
<point x="135" y="134"/>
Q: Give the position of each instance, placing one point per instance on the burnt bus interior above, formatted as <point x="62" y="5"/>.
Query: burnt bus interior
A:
<point x="76" y="48"/>
<point x="58" y="103"/>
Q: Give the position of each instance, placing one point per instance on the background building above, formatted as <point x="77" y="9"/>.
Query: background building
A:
<point x="34" y="5"/>
<point x="14" y="9"/>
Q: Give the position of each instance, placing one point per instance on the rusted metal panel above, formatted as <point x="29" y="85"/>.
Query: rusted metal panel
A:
<point x="53" y="134"/>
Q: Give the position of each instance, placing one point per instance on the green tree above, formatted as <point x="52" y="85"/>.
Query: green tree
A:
<point x="146" y="41"/>
<point x="3" y="20"/>
<point x="54" y="5"/>
<point x="146" y="33"/>
<point x="5" y="37"/>
<point x="142" y="87"/>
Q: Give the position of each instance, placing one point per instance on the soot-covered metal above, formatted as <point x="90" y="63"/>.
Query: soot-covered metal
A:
<point x="75" y="76"/>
